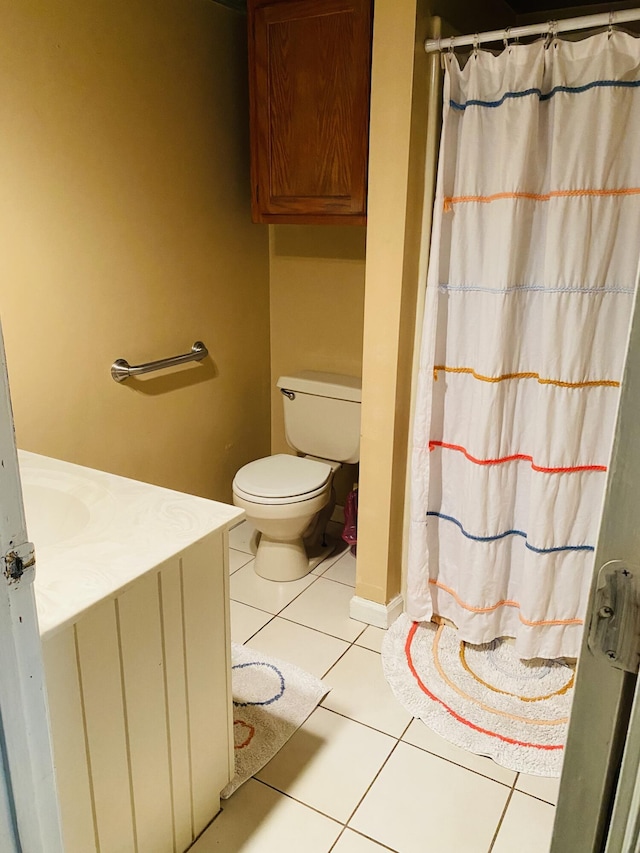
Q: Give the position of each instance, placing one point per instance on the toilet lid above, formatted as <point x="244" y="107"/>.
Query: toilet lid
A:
<point x="282" y="476"/>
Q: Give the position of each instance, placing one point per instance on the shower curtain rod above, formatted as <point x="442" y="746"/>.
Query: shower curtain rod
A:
<point x="585" y="22"/>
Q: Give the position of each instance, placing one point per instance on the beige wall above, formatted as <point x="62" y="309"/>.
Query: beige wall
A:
<point x="385" y="401"/>
<point x="398" y="129"/>
<point x="124" y="216"/>
<point x="317" y="298"/>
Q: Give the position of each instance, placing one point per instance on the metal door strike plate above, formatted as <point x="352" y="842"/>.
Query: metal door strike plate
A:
<point x="19" y="563"/>
<point x="614" y="632"/>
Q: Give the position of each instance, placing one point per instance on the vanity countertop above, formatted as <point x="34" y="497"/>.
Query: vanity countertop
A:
<point x="95" y="533"/>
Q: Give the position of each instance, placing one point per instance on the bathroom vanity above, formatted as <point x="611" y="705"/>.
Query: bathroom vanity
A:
<point x="132" y="596"/>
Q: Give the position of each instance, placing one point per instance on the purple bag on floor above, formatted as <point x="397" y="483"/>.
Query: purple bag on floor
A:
<point x="350" y="530"/>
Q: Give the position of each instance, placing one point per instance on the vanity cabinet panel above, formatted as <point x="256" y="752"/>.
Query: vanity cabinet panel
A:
<point x="140" y="707"/>
<point x="309" y="84"/>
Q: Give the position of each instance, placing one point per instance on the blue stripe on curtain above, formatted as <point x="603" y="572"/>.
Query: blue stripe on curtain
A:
<point x="546" y="96"/>
<point x="509" y="533"/>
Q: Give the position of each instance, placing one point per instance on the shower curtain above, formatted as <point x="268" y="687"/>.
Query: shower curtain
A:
<point x="532" y="271"/>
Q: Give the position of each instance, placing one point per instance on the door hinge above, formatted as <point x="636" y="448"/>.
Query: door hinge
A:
<point x="18" y="561"/>
<point x="614" y="630"/>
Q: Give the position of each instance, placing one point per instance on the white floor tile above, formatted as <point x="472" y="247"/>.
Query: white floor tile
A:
<point x="339" y="550"/>
<point x="343" y="570"/>
<point x="250" y="588"/>
<point x="328" y="763"/>
<point x="257" y="819"/>
<point x="310" y="650"/>
<point x="359" y="690"/>
<point x="372" y="638"/>
<point x="238" y="559"/>
<point x="542" y="787"/>
<point x="245" y="621"/>
<point x="241" y="537"/>
<point x="527" y="826"/>
<point x="325" y="607"/>
<point x="351" y="842"/>
<point x="421" y="735"/>
<point x="421" y="803"/>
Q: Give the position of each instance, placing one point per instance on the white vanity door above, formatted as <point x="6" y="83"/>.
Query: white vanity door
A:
<point x="141" y="708"/>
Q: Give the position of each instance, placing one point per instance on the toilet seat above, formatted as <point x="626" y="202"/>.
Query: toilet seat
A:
<point x="282" y="479"/>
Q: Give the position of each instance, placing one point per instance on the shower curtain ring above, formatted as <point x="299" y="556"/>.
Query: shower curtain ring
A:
<point x="552" y="34"/>
<point x="507" y="33"/>
<point x="450" y="50"/>
<point x="610" y="29"/>
<point x="476" y="45"/>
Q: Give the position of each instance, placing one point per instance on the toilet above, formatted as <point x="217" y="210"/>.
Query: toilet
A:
<point x="289" y="499"/>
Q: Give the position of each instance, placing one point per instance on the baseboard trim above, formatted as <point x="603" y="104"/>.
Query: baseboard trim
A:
<point x="379" y="615"/>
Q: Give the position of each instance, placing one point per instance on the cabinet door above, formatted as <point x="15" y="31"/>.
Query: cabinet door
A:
<point x="309" y="67"/>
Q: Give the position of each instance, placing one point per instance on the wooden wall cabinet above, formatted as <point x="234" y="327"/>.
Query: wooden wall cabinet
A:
<point x="309" y="84"/>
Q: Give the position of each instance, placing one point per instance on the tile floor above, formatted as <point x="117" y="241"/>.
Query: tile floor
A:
<point x="360" y="776"/>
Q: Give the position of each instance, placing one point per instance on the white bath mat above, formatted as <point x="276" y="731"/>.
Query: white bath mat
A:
<point x="481" y="698"/>
<point x="271" y="699"/>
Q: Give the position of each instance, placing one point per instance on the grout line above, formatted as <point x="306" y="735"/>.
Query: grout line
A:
<point x="422" y="749"/>
<point x="253" y="607"/>
<point x="539" y="799"/>
<point x="296" y="800"/>
<point x="239" y="601"/>
<point x="359" y="722"/>
<point x="237" y="568"/>
<point x="342" y="583"/>
<point x="319" y="630"/>
<point x="333" y="846"/>
<point x="455" y="763"/>
<point x="361" y="835"/>
<point x="337" y="661"/>
<point x="331" y="561"/>
<point x="315" y="580"/>
<point x="372" y="782"/>
<point x="249" y="554"/>
<point x="259" y="629"/>
<point x="373" y="840"/>
<point x="502" y="816"/>
<point x="407" y="727"/>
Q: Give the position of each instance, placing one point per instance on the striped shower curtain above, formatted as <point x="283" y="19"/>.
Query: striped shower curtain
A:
<point x="532" y="272"/>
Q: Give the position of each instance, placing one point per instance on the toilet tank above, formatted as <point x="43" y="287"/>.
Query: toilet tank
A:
<point x="322" y="414"/>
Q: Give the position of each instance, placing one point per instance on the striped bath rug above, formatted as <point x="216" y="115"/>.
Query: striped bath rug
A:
<point x="484" y="699"/>
<point x="271" y="699"/>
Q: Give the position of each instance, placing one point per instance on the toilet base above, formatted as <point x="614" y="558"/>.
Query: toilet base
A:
<point x="281" y="561"/>
<point x="287" y="561"/>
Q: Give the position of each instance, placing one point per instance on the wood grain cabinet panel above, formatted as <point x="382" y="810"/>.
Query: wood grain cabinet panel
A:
<point x="309" y="84"/>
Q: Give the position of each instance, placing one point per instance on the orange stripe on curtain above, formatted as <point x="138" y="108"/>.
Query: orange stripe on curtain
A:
<point x="560" y="383"/>
<point x="449" y="201"/>
<point x="503" y="603"/>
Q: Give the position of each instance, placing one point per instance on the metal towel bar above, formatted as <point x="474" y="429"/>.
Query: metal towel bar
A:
<point x="121" y="369"/>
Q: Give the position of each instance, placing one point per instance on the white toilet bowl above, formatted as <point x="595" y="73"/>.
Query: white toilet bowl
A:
<point x="281" y="494"/>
